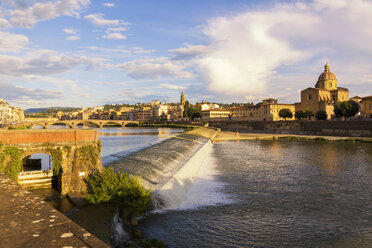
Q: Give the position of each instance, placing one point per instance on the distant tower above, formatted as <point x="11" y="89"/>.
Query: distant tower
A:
<point x="182" y="99"/>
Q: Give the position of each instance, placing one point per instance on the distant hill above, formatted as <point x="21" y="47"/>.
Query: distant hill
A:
<point x="39" y="110"/>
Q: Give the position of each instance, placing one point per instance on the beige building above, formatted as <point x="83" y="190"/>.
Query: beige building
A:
<point x="158" y="111"/>
<point x="324" y="95"/>
<point x="270" y="108"/>
<point x="9" y="114"/>
<point x="83" y="116"/>
<point x="142" y="114"/>
<point x="367" y="107"/>
<point x="208" y="115"/>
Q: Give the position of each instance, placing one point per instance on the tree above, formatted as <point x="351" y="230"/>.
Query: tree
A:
<point x="338" y="109"/>
<point x="285" y="113"/>
<point x="321" y="115"/>
<point x="308" y="113"/>
<point x="118" y="187"/>
<point x="346" y="109"/>
<point x="300" y="115"/>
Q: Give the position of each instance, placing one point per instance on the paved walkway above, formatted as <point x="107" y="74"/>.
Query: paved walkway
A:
<point x="27" y="221"/>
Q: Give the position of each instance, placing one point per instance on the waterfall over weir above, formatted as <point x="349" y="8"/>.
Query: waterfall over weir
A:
<point x="180" y="172"/>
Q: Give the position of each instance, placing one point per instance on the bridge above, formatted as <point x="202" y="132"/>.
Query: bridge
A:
<point x="74" y="154"/>
<point x="74" y="123"/>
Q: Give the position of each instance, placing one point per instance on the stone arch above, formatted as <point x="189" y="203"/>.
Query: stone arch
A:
<point x="37" y="124"/>
<point x="59" y="122"/>
<point x="132" y="124"/>
<point x="87" y="122"/>
<point x="112" y="122"/>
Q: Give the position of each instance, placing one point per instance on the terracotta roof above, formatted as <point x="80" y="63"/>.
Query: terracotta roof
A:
<point x="367" y="97"/>
<point x="327" y="74"/>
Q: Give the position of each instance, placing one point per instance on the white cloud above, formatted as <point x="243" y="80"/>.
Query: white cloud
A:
<point x="116" y="29"/>
<point x="246" y="51"/>
<point x="73" y="37"/>
<point x="171" y="87"/>
<point x="69" y="30"/>
<point x="22" y="14"/>
<point x="10" y="42"/>
<point x="114" y="36"/>
<point x="109" y="5"/>
<point x="98" y="20"/>
<point x="4" y="23"/>
<point x="44" y="62"/>
<point x="189" y="52"/>
<point x="23" y="95"/>
<point x="155" y="68"/>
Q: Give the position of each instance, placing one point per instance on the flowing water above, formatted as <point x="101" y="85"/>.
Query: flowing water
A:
<point x="244" y="194"/>
<point x="282" y="194"/>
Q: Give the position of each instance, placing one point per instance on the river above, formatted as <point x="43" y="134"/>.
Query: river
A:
<point x="245" y="194"/>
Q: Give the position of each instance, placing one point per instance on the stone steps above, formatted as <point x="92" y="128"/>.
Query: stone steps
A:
<point x="37" y="179"/>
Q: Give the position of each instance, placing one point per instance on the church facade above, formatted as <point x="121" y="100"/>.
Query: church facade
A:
<point x="324" y="95"/>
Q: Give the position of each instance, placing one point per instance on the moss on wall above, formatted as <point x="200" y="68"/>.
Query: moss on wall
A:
<point x="13" y="167"/>
<point x="89" y="155"/>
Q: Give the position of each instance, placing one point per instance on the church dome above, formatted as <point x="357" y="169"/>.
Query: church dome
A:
<point x="327" y="74"/>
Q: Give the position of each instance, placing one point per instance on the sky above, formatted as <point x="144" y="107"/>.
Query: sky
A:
<point x="89" y="53"/>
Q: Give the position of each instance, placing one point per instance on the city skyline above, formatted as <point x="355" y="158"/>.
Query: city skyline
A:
<point x="90" y="53"/>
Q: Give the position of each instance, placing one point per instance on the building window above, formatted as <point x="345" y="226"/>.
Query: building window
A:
<point x="370" y="106"/>
<point x="309" y="97"/>
<point x="330" y="85"/>
<point x="265" y="112"/>
<point x="334" y="97"/>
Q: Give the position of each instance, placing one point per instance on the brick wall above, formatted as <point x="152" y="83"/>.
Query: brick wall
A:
<point x="12" y="137"/>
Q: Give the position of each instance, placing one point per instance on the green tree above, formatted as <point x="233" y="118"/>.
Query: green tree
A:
<point x="300" y="115"/>
<point x="308" y="113"/>
<point x="346" y="109"/>
<point x="321" y="115"/>
<point x="118" y="187"/>
<point x="285" y="113"/>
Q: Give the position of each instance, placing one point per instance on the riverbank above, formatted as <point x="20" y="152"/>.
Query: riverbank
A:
<point x="228" y="135"/>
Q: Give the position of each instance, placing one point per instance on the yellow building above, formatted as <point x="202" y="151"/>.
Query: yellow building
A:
<point x="324" y="95"/>
<point x="269" y="110"/>
<point x="222" y="114"/>
<point x="367" y="107"/>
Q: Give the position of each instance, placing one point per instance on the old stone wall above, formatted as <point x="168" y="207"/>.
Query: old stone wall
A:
<point x="332" y="128"/>
<point x="75" y="153"/>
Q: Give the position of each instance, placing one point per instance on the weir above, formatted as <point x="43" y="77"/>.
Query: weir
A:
<point x="179" y="170"/>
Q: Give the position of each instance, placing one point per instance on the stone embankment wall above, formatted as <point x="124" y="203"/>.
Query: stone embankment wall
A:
<point x="13" y="137"/>
<point x="332" y="128"/>
<point x="74" y="153"/>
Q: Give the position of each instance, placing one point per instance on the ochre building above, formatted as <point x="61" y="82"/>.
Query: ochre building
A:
<point x="325" y="94"/>
<point x="367" y="107"/>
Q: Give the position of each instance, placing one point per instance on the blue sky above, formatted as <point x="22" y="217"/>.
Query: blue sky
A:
<point x="85" y="52"/>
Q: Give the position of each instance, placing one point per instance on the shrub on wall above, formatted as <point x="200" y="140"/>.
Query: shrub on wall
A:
<point x="118" y="187"/>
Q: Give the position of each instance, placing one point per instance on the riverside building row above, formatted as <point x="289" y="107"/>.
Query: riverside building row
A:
<point x="155" y="111"/>
<point x="9" y="114"/>
<point x="322" y="97"/>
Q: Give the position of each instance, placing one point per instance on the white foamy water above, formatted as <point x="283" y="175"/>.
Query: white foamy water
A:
<point x="194" y="185"/>
<point x="118" y="234"/>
